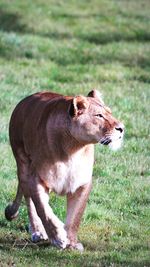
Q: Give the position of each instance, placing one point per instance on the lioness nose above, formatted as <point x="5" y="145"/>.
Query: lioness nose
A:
<point x="120" y="127"/>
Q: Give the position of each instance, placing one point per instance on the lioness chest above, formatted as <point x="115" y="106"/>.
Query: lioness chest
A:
<point x="63" y="177"/>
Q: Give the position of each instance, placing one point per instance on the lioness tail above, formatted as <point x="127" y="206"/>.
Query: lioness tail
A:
<point x="11" y="211"/>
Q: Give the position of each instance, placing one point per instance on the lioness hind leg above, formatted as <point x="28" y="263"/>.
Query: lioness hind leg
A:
<point x="76" y="204"/>
<point x="37" y="230"/>
<point x="23" y="172"/>
<point x="53" y="226"/>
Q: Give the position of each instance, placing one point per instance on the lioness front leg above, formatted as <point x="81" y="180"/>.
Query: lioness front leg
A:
<point x="53" y="226"/>
<point x="76" y="203"/>
<point x="37" y="230"/>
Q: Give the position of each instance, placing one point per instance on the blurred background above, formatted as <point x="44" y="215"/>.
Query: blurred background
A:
<point x="71" y="47"/>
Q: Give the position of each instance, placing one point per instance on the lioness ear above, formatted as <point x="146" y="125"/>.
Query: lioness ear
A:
<point x="96" y="94"/>
<point x="78" y="106"/>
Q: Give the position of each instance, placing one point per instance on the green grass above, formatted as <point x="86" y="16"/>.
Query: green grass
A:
<point x="71" y="47"/>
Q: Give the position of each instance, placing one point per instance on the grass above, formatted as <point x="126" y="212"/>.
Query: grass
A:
<point x="71" y="47"/>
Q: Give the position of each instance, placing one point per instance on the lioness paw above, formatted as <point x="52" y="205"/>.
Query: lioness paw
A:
<point x="61" y="241"/>
<point x="37" y="237"/>
<point x="77" y="246"/>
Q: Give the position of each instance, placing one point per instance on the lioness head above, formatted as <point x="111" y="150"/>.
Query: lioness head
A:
<point x="92" y="121"/>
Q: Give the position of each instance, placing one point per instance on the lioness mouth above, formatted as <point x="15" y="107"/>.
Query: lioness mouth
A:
<point x="106" y="141"/>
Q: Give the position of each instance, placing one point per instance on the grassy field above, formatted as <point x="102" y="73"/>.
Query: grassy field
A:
<point x="71" y="47"/>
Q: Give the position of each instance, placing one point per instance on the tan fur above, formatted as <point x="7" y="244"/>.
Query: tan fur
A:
<point x="52" y="138"/>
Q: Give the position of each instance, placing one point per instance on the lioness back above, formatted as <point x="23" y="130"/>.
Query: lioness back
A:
<point x="29" y="110"/>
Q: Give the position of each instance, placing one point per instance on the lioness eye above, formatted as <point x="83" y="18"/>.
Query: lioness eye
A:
<point x="99" y="115"/>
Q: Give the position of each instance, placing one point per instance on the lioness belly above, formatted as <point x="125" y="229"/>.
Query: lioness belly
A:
<point x="65" y="177"/>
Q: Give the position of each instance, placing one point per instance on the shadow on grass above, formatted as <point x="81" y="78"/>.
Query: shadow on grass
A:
<point x="11" y="22"/>
<point x="25" y="249"/>
<point x="108" y="37"/>
<point x="100" y="37"/>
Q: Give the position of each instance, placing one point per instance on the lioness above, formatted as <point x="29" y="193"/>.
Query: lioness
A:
<point x="52" y="138"/>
